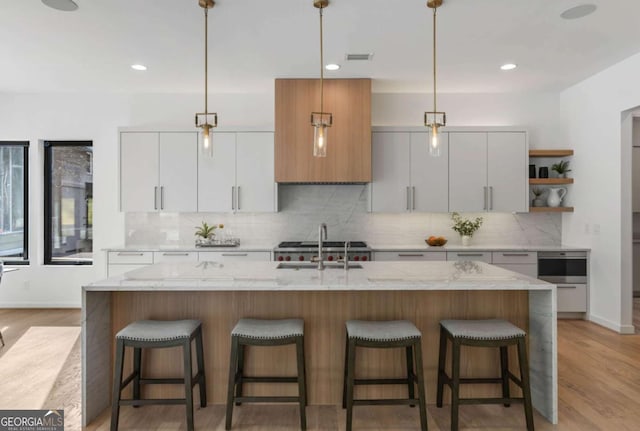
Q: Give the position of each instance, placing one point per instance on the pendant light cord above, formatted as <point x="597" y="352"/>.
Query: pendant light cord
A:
<point x="434" y="61"/>
<point x="321" y="65"/>
<point x="206" y="61"/>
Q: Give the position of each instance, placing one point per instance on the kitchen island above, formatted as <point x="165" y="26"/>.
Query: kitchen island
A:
<point x="220" y="294"/>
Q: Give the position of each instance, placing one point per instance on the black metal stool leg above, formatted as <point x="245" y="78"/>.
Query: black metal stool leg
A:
<point x="351" y="365"/>
<point x="410" y="373"/>
<point x="240" y="372"/>
<point x="344" y="379"/>
<point x="202" y="380"/>
<point x="233" y="366"/>
<point x="302" y="384"/>
<point x="421" y="391"/>
<point x="504" y="369"/>
<point x="526" y="387"/>
<point x="137" y="361"/>
<point x="455" y="385"/>
<point x="442" y="356"/>
<point x="117" y="381"/>
<point x="188" y="387"/>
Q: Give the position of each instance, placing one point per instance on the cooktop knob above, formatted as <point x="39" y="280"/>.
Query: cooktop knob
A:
<point x="288" y="258"/>
<point x="301" y="258"/>
<point x="280" y="258"/>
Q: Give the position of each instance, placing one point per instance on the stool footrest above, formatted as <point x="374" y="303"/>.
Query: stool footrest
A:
<point x="266" y="399"/>
<point x="386" y="402"/>
<point x="490" y="400"/>
<point x="266" y="379"/>
<point x="152" y="401"/>
<point x="398" y="381"/>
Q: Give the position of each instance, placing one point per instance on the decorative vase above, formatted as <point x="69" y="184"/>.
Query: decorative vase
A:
<point x="538" y="202"/>
<point x="555" y="196"/>
<point x="466" y="240"/>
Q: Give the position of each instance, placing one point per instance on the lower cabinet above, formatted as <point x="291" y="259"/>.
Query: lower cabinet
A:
<point x="119" y="262"/>
<point x="409" y="255"/>
<point x="234" y="256"/>
<point x="522" y="262"/>
<point x="572" y="298"/>
<point x="480" y="256"/>
<point x="175" y="256"/>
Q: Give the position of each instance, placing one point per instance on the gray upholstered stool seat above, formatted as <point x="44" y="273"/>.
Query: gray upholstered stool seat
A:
<point x="392" y="330"/>
<point x="268" y="329"/>
<point x="150" y="334"/>
<point x="158" y="330"/>
<point x="262" y="332"/>
<point x="482" y="329"/>
<point x="483" y="333"/>
<point x="383" y="335"/>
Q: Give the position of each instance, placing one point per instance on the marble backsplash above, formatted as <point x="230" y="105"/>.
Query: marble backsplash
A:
<point x="344" y="209"/>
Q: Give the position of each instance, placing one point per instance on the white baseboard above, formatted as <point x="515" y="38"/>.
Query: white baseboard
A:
<point x="39" y="305"/>
<point x="621" y="329"/>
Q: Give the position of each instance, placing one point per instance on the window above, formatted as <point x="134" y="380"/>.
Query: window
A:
<point x="68" y="203"/>
<point x="14" y="176"/>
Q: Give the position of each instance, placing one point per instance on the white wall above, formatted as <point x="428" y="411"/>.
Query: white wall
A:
<point x="592" y="114"/>
<point x="96" y="117"/>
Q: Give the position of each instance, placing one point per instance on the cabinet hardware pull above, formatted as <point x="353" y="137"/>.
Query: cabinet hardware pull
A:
<point x="413" y="197"/>
<point x="238" y="198"/>
<point x="469" y="254"/>
<point x="560" y="286"/>
<point x="130" y="253"/>
<point x="175" y="254"/>
<point x="161" y="197"/>
<point x="155" y="198"/>
<point x="410" y="255"/>
<point x="484" y="207"/>
<point x="408" y="198"/>
<point x="515" y="254"/>
<point x="233" y="194"/>
<point x="235" y="254"/>
<point x="491" y="198"/>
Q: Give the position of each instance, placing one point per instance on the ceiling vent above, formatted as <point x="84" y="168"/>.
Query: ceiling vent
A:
<point x="359" y="57"/>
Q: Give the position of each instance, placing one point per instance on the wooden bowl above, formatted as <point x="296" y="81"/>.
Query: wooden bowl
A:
<point x="436" y="242"/>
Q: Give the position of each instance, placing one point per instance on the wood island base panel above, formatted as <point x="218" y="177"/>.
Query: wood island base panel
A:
<point x="219" y="302"/>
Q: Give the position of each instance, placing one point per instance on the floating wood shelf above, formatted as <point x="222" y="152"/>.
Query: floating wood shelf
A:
<point x="550" y="181"/>
<point x="551" y="209"/>
<point x="550" y="153"/>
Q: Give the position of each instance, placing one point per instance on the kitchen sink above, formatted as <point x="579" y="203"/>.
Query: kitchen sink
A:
<point x="311" y="265"/>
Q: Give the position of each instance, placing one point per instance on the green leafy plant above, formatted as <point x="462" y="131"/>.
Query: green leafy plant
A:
<point x="206" y="230"/>
<point x="465" y="227"/>
<point x="537" y="192"/>
<point x="561" y="168"/>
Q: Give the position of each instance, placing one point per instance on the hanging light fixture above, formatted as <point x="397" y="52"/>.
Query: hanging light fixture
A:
<point x="206" y="120"/>
<point x="321" y="120"/>
<point x="434" y="119"/>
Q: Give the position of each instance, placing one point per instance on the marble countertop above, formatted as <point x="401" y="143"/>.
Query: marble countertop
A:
<point x="475" y="247"/>
<point x="264" y="276"/>
<point x="176" y="248"/>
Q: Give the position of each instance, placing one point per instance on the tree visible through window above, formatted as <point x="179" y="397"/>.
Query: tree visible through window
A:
<point x="14" y="174"/>
<point x="68" y="203"/>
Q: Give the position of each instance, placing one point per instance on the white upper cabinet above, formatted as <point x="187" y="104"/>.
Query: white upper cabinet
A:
<point x="429" y="175"/>
<point x="255" y="186"/>
<point x="488" y="171"/>
<point x="507" y="172"/>
<point x="158" y="172"/>
<point x="239" y="177"/>
<point x="217" y="175"/>
<point x="468" y="172"/>
<point x="405" y="177"/>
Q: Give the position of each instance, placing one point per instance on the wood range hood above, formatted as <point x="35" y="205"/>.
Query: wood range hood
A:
<point x="349" y="139"/>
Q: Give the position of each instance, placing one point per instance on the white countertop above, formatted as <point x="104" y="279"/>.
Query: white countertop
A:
<point x="474" y="247"/>
<point x="176" y="248"/>
<point x="264" y="276"/>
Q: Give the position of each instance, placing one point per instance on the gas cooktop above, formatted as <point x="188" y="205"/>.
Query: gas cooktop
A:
<point x="325" y="244"/>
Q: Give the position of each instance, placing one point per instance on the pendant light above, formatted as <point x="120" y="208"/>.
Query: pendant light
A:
<point x="206" y="120"/>
<point x="434" y="119"/>
<point x="321" y="120"/>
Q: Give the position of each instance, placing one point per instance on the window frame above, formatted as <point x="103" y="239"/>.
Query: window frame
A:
<point x="48" y="177"/>
<point x="10" y="260"/>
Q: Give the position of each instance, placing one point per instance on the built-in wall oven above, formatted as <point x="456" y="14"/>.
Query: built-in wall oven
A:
<point x="568" y="270"/>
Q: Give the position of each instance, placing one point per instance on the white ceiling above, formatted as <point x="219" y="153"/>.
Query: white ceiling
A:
<point x="254" y="41"/>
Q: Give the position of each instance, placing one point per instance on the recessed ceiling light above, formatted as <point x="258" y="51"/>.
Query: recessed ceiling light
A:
<point x="138" y="67"/>
<point x="332" y="66"/>
<point x="508" y="66"/>
<point x="63" y="5"/>
<point x="579" y="11"/>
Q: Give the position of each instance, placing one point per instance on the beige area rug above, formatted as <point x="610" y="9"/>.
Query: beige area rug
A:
<point x="41" y="371"/>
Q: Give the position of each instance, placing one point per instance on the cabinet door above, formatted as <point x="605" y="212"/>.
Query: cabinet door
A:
<point x="467" y="171"/>
<point x="179" y="172"/>
<point x="528" y="269"/>
<point x="394" y="256"/>
<point x="217" y="175"/>
<point x="635" y="186"/>
<point x="139" y="172"/>
<point x="391" y="176"/>
<point x="481" y="256"/>
<point x="255" y="186"/>
<point x="429" y="175"/>
<point x="234" y="256"/>
<point x="507" y="171"/>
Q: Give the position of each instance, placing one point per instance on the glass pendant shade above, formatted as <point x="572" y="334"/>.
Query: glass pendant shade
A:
<point x="434" y="120"/>
<point x="207" y="122"/>
<point x="321" y="122"/>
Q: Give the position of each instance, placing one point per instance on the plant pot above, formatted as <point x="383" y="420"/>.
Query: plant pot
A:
<point x="466" y="240"/>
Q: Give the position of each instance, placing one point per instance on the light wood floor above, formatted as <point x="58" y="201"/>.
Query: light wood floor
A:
<point x="599" y="389"/>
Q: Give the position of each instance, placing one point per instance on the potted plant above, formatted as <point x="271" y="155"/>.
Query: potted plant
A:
<point x="205" y="233"/>
<point x="562" y="168"/>
<point x="465" y="227"/>
<point x="537" y="197"/>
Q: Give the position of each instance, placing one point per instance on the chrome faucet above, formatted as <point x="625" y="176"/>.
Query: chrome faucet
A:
<point x="345" y="259"/>
<point x="322" y="231"/>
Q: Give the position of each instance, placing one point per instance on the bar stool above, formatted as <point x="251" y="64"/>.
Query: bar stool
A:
<point x="384" y="334"/>
<point x="145" y="334"/>
<point x="257" y="332"/>
<point x="483" y="333"/>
